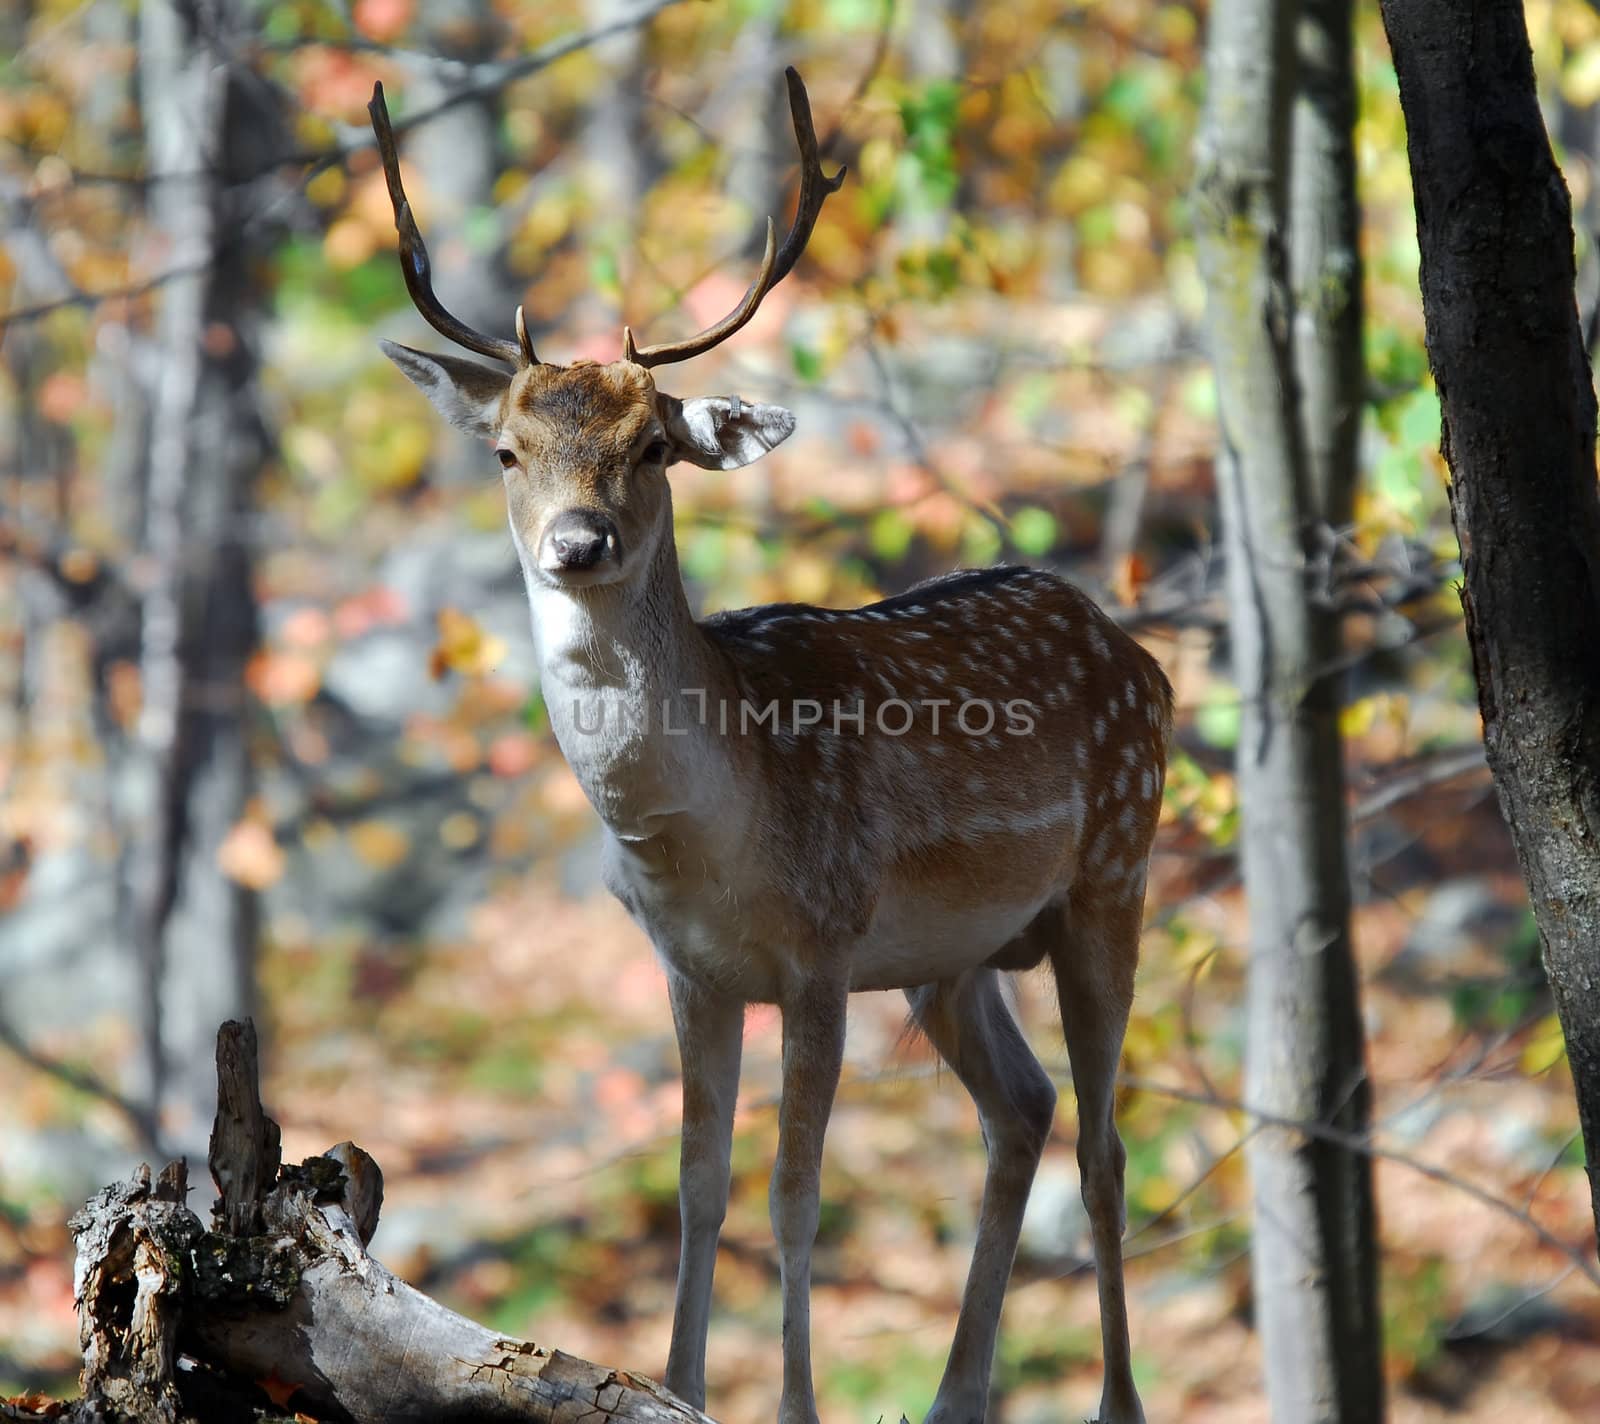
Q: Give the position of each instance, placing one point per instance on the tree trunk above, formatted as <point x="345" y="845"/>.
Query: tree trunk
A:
<point x="1325" y="255"/>
<point x="280" y="1300"/>
<point x="194" y="930"/>
<point x="1494" y="221"/>
<point x="1314" y="1258"/>
<point x="1330" y="372"/>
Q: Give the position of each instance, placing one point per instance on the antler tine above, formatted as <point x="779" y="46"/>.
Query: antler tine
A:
<point x="416" y="266"/>
<point x="814" y="190"/>
<point x="814" y="187"/>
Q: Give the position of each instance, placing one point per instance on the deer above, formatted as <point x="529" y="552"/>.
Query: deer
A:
<point x="799" y="803"/>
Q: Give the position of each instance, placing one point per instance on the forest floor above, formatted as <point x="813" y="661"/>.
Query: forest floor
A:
<point x="519" y="1090"/>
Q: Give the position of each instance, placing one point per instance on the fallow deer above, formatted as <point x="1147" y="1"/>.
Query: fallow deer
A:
<point x="802" y="802"/>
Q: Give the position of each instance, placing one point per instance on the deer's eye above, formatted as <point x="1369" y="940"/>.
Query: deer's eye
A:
<point x="655" y="452"/>
<point x="508" y="459"/>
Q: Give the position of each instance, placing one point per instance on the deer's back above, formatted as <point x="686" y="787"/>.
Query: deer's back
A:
<point x="929" y="771"/>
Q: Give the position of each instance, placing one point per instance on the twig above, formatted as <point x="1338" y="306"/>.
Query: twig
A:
<point x="1352" y="1142"/>
<point x="1443" y="766"/>
<point x="90" y="299"/>
<point x="82" y="1080"/>
<point x="880" y="52"/>
<point x="483" y="79"/>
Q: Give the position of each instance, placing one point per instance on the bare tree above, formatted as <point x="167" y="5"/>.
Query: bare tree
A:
<point x="1288" y="380"/>
<point x="1494" y="221"/>
<point x="194" y="929"/>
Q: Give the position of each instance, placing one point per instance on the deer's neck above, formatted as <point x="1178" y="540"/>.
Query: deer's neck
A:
<point x="626" y="673"/>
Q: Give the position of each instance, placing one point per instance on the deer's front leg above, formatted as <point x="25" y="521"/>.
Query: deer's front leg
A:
<point x="710" y="1029"/>
<point x="813" y="1049"/>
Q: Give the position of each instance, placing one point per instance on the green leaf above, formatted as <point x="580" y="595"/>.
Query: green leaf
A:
<point x="943" y="269"/>
<point x="706" y="557"/>
<point x="282" y="22"/>
<point x="1397" y="477"/>
<point x="1217" y="718"/>
<point x="980" y="542"/>
<point x="1033" y="531"/>
<point x="604" y="272"/>
<point x="481" y="230"/>
<point x="1199" y="394"/>
<point x="806" y="361"/>
<point x="890" y="535"/>
<point x="1419" y="420"/>
<point x="1098" y="225"/>
<point x="1032" y="396"/>
<point x="855" y="15"/>
<point x="926" y="172"/>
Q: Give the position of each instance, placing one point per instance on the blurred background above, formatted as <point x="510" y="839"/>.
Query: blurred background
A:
<point x="271" y="739"/>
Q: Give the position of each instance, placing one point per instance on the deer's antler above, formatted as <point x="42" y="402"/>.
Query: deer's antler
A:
<point x="776" y="263"/>
<point x="419" y="271"/>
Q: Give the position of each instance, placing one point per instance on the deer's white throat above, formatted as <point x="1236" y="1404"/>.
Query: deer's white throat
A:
<point x="624" y="673"/>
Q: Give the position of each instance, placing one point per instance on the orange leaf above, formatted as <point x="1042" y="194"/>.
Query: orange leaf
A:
<point x="306" y="628"/>
<point x="39" y="1405"/>
<point x="512" y="754"/>
<point x="61" y="395"/>
<point x="382" y="19"/>
<point x="1130" y="575"/>
<point x="279" y="1390"/>
<point x="282" y="679"/>
<point x="250" y="854"/>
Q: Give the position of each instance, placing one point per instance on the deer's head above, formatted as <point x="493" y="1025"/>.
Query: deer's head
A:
<point x="585" y="448"/>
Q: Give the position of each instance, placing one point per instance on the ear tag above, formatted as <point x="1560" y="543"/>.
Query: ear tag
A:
<point x="733" y="407"/>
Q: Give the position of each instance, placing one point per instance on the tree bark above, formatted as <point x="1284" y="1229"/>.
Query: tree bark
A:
<point x="194" y="929"/>
<point x="1315" y="1251"/>
<point x="1325" y="255"/>
<point x="1325" y="276"/>
<point x="279" y="1303"/>
<point x="1494" y="221"/>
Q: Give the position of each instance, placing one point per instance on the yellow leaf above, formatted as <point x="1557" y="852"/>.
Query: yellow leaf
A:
<point x="1545" y="1048"/>
<point x="1357" y="719"/>
<point x="464" y="647"/>
<point x="379" y="844"/>
<point x="1157" y="1193"/>
<point x="327" y="188"/>
<point x="1196" y="952"/>
<point x="1580" y="80"/>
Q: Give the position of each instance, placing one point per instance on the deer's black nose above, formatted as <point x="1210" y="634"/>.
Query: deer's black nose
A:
<point x="581" y="539"/>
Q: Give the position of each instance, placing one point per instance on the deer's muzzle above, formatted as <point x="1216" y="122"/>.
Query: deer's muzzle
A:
<point x="580" y="541"/>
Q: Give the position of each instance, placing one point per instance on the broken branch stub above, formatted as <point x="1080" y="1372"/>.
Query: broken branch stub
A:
<point x="281" y="1306"/>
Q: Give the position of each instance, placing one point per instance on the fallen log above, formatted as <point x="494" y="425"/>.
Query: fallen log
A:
<point x="277" y="1310"/>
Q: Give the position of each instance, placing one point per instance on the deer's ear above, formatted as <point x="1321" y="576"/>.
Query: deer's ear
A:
<point x="722" y="432"/>
<point x="466" y="393"/>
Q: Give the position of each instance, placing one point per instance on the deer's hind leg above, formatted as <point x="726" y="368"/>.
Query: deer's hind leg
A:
<point x="1094" y="968"/>
<point x="967" y="1020"/>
